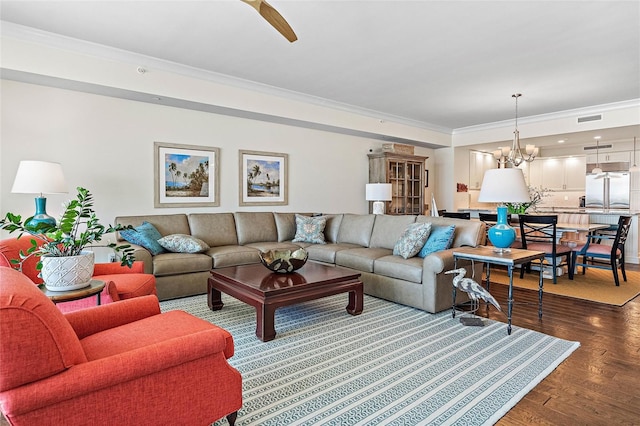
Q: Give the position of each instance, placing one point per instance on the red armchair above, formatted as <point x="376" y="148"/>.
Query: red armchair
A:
<point x="121" y="282"/>
<point x="121" y="363"/>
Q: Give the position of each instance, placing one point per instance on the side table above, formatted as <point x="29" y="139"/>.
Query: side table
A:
<point x="93" y="289"/>
<point x="509" y="259"/>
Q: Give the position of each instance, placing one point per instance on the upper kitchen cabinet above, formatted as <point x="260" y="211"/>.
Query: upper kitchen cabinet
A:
<point x="609" y="157"/>
<point x="558" y="174"/>
<point x="479" y="162"/>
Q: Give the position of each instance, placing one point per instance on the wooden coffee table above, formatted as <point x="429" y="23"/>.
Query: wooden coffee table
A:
<point x="267" y="291"/>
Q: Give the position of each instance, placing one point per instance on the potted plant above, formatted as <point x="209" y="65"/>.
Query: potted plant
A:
<point x="64" y="263"/>
<point x="535" y="194"/>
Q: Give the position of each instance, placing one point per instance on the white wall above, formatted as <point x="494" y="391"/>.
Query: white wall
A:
<point x="106" y="145"/>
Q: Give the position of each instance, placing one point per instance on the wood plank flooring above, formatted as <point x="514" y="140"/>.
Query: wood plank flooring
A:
<point x="599" y="384"/>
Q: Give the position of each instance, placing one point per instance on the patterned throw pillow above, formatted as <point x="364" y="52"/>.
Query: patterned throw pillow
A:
<point x="145" y="235"/>
<point x="181" y="243"/>
<point x="412" y="240"/>
<point x="310" y="229"/>
<point x="441" y="238"/>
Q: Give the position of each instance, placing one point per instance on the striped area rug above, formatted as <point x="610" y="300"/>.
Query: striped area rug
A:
<point x="391" y="365"/>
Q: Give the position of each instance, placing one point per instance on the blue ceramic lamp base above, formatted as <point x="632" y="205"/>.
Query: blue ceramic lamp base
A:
<point x="40" y="220"/>
<point x="501" y="234"/>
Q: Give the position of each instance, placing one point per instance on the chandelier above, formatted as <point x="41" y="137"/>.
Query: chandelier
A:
<point x="514" y="155"/>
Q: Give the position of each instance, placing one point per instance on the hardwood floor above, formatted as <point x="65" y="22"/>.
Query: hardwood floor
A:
<point x="598" y="383"/>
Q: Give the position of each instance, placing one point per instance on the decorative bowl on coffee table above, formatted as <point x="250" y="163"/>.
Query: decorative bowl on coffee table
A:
<point x="284" y="261"/>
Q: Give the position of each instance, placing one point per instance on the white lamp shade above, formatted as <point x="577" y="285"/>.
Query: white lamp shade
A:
<point x="504" y="186"/>
<point x="39" y="177"/>
<point x="378" y="192"/>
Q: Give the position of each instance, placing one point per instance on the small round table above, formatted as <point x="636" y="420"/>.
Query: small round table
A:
<point x="94" y="288"/>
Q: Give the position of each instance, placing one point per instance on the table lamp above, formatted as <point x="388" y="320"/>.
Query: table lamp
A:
<point x="503" y="186"/>
<point x="378" y="193"/>
<point x="39" y="177"/>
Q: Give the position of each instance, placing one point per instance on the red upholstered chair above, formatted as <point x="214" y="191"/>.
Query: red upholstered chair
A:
<point x="121" y="282"/>
<point x="121" y="363"/>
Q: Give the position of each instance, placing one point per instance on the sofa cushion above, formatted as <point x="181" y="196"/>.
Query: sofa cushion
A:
<point x="468" y="232"/>
<point x="399" y="268"/>
<point x="181" y="243"/>
<point x="273" y="245"/>
<point x="387" y="229"/>
<point x="310" y="229"/>
<point x="440" y="238"/>
<point x="145" y="235"/>
<point x="327" y="252"/>
<point x="253" y="227"/>
<point x="412" y="240"/>
<point x="356" y="229"/>
<point x="286" y="225"/>
<point x="180" y="263"/>
<point x="224" y="256"/>
<point x="166" y="224"/>
<point x="361" y="258"/>
<point x="215" y="229"/>
<point x="332" y="227"/>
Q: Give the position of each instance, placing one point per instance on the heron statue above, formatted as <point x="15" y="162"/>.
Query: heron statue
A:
<point x="474" y="290"/>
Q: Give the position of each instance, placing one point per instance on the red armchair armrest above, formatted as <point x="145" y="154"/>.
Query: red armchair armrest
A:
<point x="89" y="321"/>
<point x="116" y="370"/>
<point x="116" y="268"/>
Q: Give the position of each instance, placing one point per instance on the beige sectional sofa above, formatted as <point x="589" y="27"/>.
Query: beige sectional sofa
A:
<point x="361" y="242"/>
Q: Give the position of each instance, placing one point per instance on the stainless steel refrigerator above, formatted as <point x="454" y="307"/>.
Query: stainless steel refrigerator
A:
<point x="607" y="190"/>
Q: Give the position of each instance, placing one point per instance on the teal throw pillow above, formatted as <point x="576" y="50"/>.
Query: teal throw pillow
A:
<point x="310" y="229"/>
<point x="182" y="243"/>
<point x="412" y="240"/>
<point x="145" y="235"/>
<point x="441" y="238"/>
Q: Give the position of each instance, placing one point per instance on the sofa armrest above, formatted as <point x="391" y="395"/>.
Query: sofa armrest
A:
<point x="116" y="268"/>
<point x="141" y="254"/>
<point x="118" y="370"/>
<point x="86" y="322"/>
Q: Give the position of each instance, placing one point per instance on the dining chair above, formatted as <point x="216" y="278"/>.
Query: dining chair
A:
<point x="457" y="215"/>
<point x="539" y="233"/>
<point x="605" y="256"/>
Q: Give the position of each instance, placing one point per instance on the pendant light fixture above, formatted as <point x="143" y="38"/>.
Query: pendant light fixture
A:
<point x="635" y="167"/>
<point x="514" y="155"/>
<point x="597" y="170"/>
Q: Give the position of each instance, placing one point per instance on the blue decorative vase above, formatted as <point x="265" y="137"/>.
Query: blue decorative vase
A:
<point x="40" y="220"/>
<point x="501" y="234"/>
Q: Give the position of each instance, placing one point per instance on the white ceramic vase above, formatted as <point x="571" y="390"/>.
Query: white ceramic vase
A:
<point x="69" y="272"/>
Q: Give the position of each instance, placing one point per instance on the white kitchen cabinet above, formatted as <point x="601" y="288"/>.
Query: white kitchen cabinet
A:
<point x="609" y="157"/>
<point x="558" y="174"/>
<point x="479" y="162"/>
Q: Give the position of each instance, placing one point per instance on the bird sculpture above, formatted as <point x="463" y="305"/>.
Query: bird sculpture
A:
<point x="472" y="288"/>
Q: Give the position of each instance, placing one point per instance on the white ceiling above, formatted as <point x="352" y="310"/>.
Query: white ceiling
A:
<point x="447" y="64"/>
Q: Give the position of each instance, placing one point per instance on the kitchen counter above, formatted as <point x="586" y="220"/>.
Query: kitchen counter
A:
<point x="614" y="212"/>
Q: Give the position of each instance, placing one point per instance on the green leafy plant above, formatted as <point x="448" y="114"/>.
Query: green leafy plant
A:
<point x="535" y="194"/>
<point x="77" y="228"/>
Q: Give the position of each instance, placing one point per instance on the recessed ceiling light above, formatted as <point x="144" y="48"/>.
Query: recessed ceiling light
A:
<point x="597" y="137"/>
<point x="561" y="141"/>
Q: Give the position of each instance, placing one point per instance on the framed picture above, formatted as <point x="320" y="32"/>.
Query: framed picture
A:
<point x="186" y="175"/>
<point x="263" y="179"/>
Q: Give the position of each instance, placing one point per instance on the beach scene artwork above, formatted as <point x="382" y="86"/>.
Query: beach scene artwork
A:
<point x="186" y="175"/>
<point x="264" y="178"/>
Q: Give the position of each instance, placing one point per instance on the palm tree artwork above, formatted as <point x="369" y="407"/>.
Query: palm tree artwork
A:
<point x="263" y="178"/>
<point x="186" y="175"/>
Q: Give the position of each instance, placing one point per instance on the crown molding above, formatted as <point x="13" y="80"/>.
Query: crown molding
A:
<point x="570" y="113"/>
<point x="29" y="34"/>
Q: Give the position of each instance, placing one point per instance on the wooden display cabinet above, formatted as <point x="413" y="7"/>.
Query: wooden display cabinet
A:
<point x="406" y="174"/>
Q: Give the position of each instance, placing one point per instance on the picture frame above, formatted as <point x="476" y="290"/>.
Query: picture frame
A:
<point x="186" y="175"/>
<point x="263" y="178"/>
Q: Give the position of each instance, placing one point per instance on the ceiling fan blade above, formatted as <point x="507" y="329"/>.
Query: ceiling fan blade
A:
<point x="274" y="18"/>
